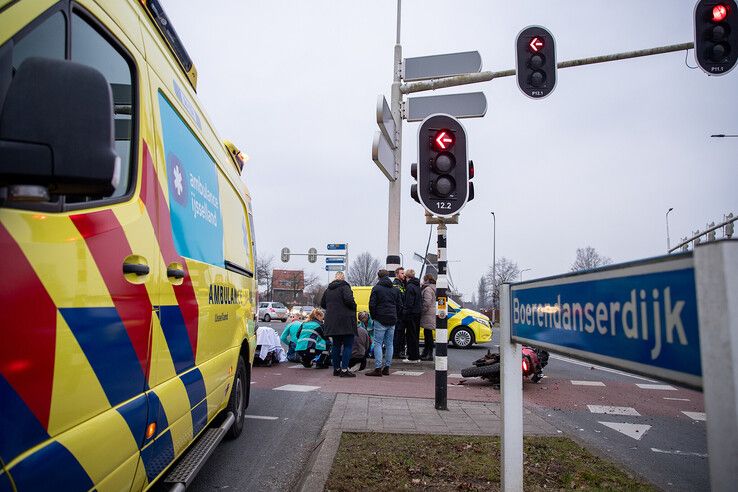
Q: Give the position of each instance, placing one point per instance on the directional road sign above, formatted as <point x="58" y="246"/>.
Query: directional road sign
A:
<point x="640" y="316"/>
<point x="383" y="156"/>
<point x="446" y="65"/>
<point x="469" y="105"/>
<point x="330" y="259"/>
<point x="385" y="120"/>
<point x="335" y="246"/>
<point x="335" y="268"/>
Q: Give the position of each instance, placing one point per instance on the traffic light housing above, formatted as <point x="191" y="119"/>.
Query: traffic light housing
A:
<point x="442" y="170"/>
<point x="716" y="35"/>
<point x="536" y="61"/>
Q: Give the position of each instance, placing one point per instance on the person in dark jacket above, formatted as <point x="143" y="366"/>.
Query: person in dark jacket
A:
<point x="384" y="307"/>
<point x="399" y="340"/>
<point x="340" y="323"/>
<point x="411" y="316"/>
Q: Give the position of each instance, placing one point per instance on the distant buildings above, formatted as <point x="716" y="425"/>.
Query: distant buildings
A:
<point x="288" y="286"/>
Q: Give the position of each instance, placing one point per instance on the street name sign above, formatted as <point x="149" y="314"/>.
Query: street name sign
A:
<point x="335" y="268"/>
<point x="641" y="317"/>
<point x="334" y="260"/>
<point x="468" y="105"/>
<point x="335" y="246"/>
<point x="446" y="65"/>
<point x="383" y="156"/>
<point x="385" y="121"/>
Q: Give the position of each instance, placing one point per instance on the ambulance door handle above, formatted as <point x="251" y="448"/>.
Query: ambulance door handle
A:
<point x="136" y="268"/>
<point x="177" y="273"/>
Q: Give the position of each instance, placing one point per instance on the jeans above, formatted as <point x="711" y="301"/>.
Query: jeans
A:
<point x="341" y="356"/>
<point x="383" y="335"/>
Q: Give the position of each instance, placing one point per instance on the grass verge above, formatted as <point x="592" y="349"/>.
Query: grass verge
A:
<point x="372" y="461"/>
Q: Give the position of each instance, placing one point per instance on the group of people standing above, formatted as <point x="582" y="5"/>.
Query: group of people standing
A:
<point x="397" y="312"/>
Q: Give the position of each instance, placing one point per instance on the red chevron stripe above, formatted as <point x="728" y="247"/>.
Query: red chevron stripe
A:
<point x="109" y="247"/>
<point x="153" y="198"/>
<point x="27" y="330"/>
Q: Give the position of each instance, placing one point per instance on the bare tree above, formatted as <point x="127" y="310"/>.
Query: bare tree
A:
<point x="314" y="293"/>
<point x="482" y="299"/>
<point x="363" y="270"/>
<point x="506" y="270"/>
<point x="588" y="258"/>
<point x="264" y="266"/>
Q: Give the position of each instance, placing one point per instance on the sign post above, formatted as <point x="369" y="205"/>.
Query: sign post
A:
<point x="674" y="318"/>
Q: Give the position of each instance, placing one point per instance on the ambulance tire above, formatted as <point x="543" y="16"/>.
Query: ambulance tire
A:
<point x="462" y="337"/>
<point x="239" y="400"/>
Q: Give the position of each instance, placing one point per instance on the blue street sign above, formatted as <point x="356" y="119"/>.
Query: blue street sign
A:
<point x="330" y="259"/>
<point x="334" y="268"/>
<point x="639" y="316"/>
<point x="336" y="246"/>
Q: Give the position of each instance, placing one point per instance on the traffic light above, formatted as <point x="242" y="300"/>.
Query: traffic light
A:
<point x="536" y="62"/>
<point x="716" y="35"/>
<point x="442" y="171"/>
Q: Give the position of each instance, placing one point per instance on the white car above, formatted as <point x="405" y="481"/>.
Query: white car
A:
<point x="272" y="310"/>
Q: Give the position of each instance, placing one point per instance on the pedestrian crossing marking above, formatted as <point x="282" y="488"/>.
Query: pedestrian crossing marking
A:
<point x="662" y="387"/>
<point x="297" y="387"/>
<point x="696" y="415"/>
<point x="630" y="411"/>
<point x="676" y="399"/>
<point x="408" y="373"/>
<point x="636" y="431"/>
<point x="587" y="383"/>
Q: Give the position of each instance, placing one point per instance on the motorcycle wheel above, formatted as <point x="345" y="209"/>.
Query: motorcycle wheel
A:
<point x="490" y="371"/>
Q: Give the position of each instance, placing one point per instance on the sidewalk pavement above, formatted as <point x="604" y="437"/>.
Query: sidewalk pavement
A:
<point x="367" y="413"/>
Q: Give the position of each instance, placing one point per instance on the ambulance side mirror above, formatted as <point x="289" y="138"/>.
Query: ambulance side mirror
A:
<point x="56" y="130"/>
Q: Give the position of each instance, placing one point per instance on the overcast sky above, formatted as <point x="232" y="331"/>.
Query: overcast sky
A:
<point x="598" y="162"/>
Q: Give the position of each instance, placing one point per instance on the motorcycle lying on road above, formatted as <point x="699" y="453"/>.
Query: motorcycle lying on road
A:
<point x="488" y="367"/>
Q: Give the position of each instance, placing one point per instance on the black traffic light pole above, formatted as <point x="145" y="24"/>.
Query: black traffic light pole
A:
<point x="474" y="78"/>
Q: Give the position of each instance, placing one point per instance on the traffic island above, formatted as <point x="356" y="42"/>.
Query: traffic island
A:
<point x="380" y="461"/>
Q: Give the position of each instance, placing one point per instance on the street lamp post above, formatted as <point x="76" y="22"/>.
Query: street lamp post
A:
<point x="668" y="239"/>
<point x="494" y="267"/>
<point x="524" y="270"/>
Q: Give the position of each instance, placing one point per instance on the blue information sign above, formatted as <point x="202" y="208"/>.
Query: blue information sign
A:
<point x="639" y="316"/>
<point x="336" y="246"/>
<point x="330" y="259"/>
<point x="334" y="268"/>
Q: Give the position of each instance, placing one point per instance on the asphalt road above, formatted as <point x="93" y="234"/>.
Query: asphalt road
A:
<point x="281" y="432"/>
<point x="657" y="430"/>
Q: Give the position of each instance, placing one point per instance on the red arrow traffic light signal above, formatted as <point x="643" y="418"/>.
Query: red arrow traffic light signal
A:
<point x="443" y="140"/>
<point x="536" y="44"/>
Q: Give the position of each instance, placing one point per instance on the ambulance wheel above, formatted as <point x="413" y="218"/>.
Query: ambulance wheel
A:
<point x="239" y="400"/>
<point x="462" y="337"/>
<point x="267" y="318"/>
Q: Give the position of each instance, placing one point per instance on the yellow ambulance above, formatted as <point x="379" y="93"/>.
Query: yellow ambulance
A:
<point x="465" y="326"/>
<point x="127" y="245"/>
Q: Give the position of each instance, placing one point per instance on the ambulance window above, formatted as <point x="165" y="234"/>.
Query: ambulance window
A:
<point x="91" y="48"/>
<point x="46" y="40"/>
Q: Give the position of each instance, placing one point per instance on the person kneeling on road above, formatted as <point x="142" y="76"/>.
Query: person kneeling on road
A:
<point x="360" y="348"/>
<point x="289" y="338"/>
<point x="385" y="305"/>
<point x="311" y="345"/>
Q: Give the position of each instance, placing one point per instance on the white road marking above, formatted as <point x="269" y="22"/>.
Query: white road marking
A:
<point x="606" y="369"/>
<point x="261" y="417"/>
<point x="458" y="376"/>
<point x="676" y="399"/>
<point x="662" y="387"/>
<point x="408" y="373"/>
<point x="297" y="387"/>
<point x="587" y="383"/>
<point x="680" y="453"/>
<point x="636" y="431"/>
<point x="696" y="415"/>
<point x="614" y="410"/>
<point x="298" y="366"/>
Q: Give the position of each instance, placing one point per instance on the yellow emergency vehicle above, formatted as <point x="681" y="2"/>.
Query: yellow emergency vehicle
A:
<point x="465" y="326"/>
<point x="127" y="253"/>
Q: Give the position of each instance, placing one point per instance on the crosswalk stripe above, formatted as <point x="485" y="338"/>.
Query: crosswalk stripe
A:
<point x="297" y="387"/>
<point x="662" y="387"/>
<point x="614" y="410"/>
<point x="587" y="383"/>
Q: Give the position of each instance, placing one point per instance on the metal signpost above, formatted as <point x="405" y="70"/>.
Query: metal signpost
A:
<point x="468" y="105"/>
<point x="674" y="318"/>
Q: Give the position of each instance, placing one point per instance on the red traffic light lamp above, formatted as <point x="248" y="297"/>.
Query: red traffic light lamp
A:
<point x="719" y="13"/>
<point x="443" y="140"/>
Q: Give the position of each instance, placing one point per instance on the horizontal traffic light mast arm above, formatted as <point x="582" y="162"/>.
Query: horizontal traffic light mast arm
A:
<point x="473" y="78"/>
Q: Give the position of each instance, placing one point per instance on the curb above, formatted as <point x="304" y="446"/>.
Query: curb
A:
<point x="321" y="463"/>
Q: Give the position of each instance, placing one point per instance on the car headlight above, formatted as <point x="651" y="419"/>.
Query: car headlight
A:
<point x="482" y="321"/>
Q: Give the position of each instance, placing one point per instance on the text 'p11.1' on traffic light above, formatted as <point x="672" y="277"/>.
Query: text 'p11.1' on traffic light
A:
<point x="535" y="52"/>
<point x="443" y="170"/>
<point x="716" y="35"/>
